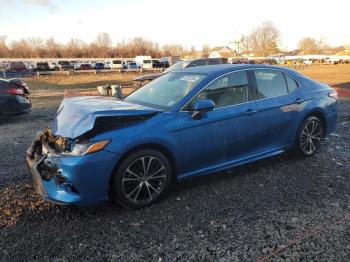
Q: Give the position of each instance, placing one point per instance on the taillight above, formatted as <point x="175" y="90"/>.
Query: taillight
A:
<point x="333" y="94"/>
<point x="14" y="91"/>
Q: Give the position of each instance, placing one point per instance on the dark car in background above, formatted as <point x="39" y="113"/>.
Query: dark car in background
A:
<point x="85" y="66"/>
<point x="42" y="66"/>
<point x="156" y="63"/>
<point x="99" y="66"/>
<point x="14" y="97"/>
<point x="169" y="61"/>
<point x="16" y="67"/>
<point x="65" y="65"/>
<point x="179" y="65"/>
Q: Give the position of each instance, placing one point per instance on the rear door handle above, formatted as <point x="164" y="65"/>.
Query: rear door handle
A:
<point x="299" y="100"/>
<point x="251" y="111"/>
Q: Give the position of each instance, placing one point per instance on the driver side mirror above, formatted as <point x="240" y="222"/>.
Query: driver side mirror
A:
<point x="202" y="106"/>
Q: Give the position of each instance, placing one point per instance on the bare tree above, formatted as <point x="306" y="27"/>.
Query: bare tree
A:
<point x="193" y="52"/>
<point x="103" y="43"/>
<point x="4" y="51"/>
<point x="308" y="45"/>
<point x="170" y="50"/>
<point x="205" y="50"/>
<point x="246" y="44"/>
<point x="21" y="49"/>
<point x="54" y="50"/>
<point x="265" y="39"/>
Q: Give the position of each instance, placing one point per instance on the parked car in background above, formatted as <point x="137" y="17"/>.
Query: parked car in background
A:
<point x="144" y="62"/>
<point x="179" y="65"/>
<point x="169" y="61"/>
<point x="108" y="64"/>
<point x="187" y="123"/>
<point x="307" y="61"/>
<point x="29" y="65"/>
<point x="156" y="63"/>
<point x="131" y="65"/>
<point x="99" y="66"/>
<point x="334" y="60"/>
<point x="126" y="62"/>
<point x="16" y="66"/>
<point x="14" y="97"/>
<point x="117" y="64"/>
<point x="21" y="83"/>
<point x="65" y="65"/>
<point x="93" y="64"/>
<point x="85" y="66"/>
<point x="77" y="65"/>
<point x="54" y="66"/>
<point x="42" y="66"/>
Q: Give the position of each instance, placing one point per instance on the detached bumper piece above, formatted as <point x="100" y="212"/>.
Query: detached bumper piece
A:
<point x="48" y="178"/>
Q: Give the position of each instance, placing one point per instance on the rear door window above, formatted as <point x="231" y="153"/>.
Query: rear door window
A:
<point x="270" y="83"/>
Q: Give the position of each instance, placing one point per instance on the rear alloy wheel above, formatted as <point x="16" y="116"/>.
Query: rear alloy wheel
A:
<point x="310" y="136"/>
<point x="142" y="178"/>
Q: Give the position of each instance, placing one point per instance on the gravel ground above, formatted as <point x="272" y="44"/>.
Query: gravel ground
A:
<point x="244" y="214"/>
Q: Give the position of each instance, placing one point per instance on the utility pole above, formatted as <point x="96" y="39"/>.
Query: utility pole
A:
<point x="237" y="43"/>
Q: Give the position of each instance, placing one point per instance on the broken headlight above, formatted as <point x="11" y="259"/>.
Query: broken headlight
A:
<point x="79" y="149"/>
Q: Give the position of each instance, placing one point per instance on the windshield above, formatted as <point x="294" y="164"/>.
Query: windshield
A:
<point x="178" y="65"/>
<point x="165" y="91"/>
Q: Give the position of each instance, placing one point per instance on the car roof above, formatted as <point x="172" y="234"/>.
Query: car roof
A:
<point x="224" y="68"/>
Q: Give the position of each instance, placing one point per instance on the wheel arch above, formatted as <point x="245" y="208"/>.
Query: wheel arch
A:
<point x="317" y="112"/>
<point x="155" y="146"/>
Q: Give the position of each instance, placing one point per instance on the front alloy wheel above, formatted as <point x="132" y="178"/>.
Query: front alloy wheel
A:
<point x="141" y="179"/>
<point x="310" y="136"/>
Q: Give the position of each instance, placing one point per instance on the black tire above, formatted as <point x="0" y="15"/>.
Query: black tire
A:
<point x="134" y="188"/>
<point x="309" y="136"/>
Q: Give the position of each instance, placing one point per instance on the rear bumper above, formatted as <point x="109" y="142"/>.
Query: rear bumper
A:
<point x="14" y="107"/>
<point x="81" y="180"/>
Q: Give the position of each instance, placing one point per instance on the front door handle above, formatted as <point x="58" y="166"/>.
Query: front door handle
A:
<point x="299" y="100"/>
<point x="251" y="111"/>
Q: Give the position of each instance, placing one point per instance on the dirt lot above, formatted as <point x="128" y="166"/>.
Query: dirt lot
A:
<point x="243" y="214"/>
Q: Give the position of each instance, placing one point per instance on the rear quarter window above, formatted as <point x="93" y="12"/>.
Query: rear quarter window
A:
<point x="291" y="83"/>
<point x="214" y="61"/>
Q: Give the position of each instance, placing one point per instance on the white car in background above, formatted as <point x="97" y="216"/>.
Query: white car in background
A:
<point x="144" y="62"/>
<point x="92" y="64"/>
<point x="29" y="65"/>
<point x="307" y="62"/>
<point x="77" y="65"/>
<point x="54" y="66"/>
<point x="108" y="64"/>
<point x="117" y="64"/>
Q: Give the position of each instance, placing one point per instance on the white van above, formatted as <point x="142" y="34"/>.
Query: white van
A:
<point x="116" y="64"/>
<point x="144" y="62"/>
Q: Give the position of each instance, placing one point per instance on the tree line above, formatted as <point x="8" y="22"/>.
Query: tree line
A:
<point x="36" y="47"/>
<point x="263" y="40"/>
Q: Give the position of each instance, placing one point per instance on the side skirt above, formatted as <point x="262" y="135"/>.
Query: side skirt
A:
<point x="232" y="163"/>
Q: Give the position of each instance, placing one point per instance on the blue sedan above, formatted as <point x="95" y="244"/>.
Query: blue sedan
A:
<point x="186" y="123"/>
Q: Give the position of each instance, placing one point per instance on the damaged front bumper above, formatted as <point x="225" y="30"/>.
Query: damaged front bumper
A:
<point x="78" y="180"/>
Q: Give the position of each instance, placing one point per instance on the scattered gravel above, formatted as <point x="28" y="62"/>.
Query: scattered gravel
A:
<point x="243" y="214"/>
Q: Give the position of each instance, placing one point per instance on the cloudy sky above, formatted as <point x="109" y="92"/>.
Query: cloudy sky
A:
<point x="175" y="21"/>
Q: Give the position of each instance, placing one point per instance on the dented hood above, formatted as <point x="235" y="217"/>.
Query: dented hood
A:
<point x="77" y="115"/>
